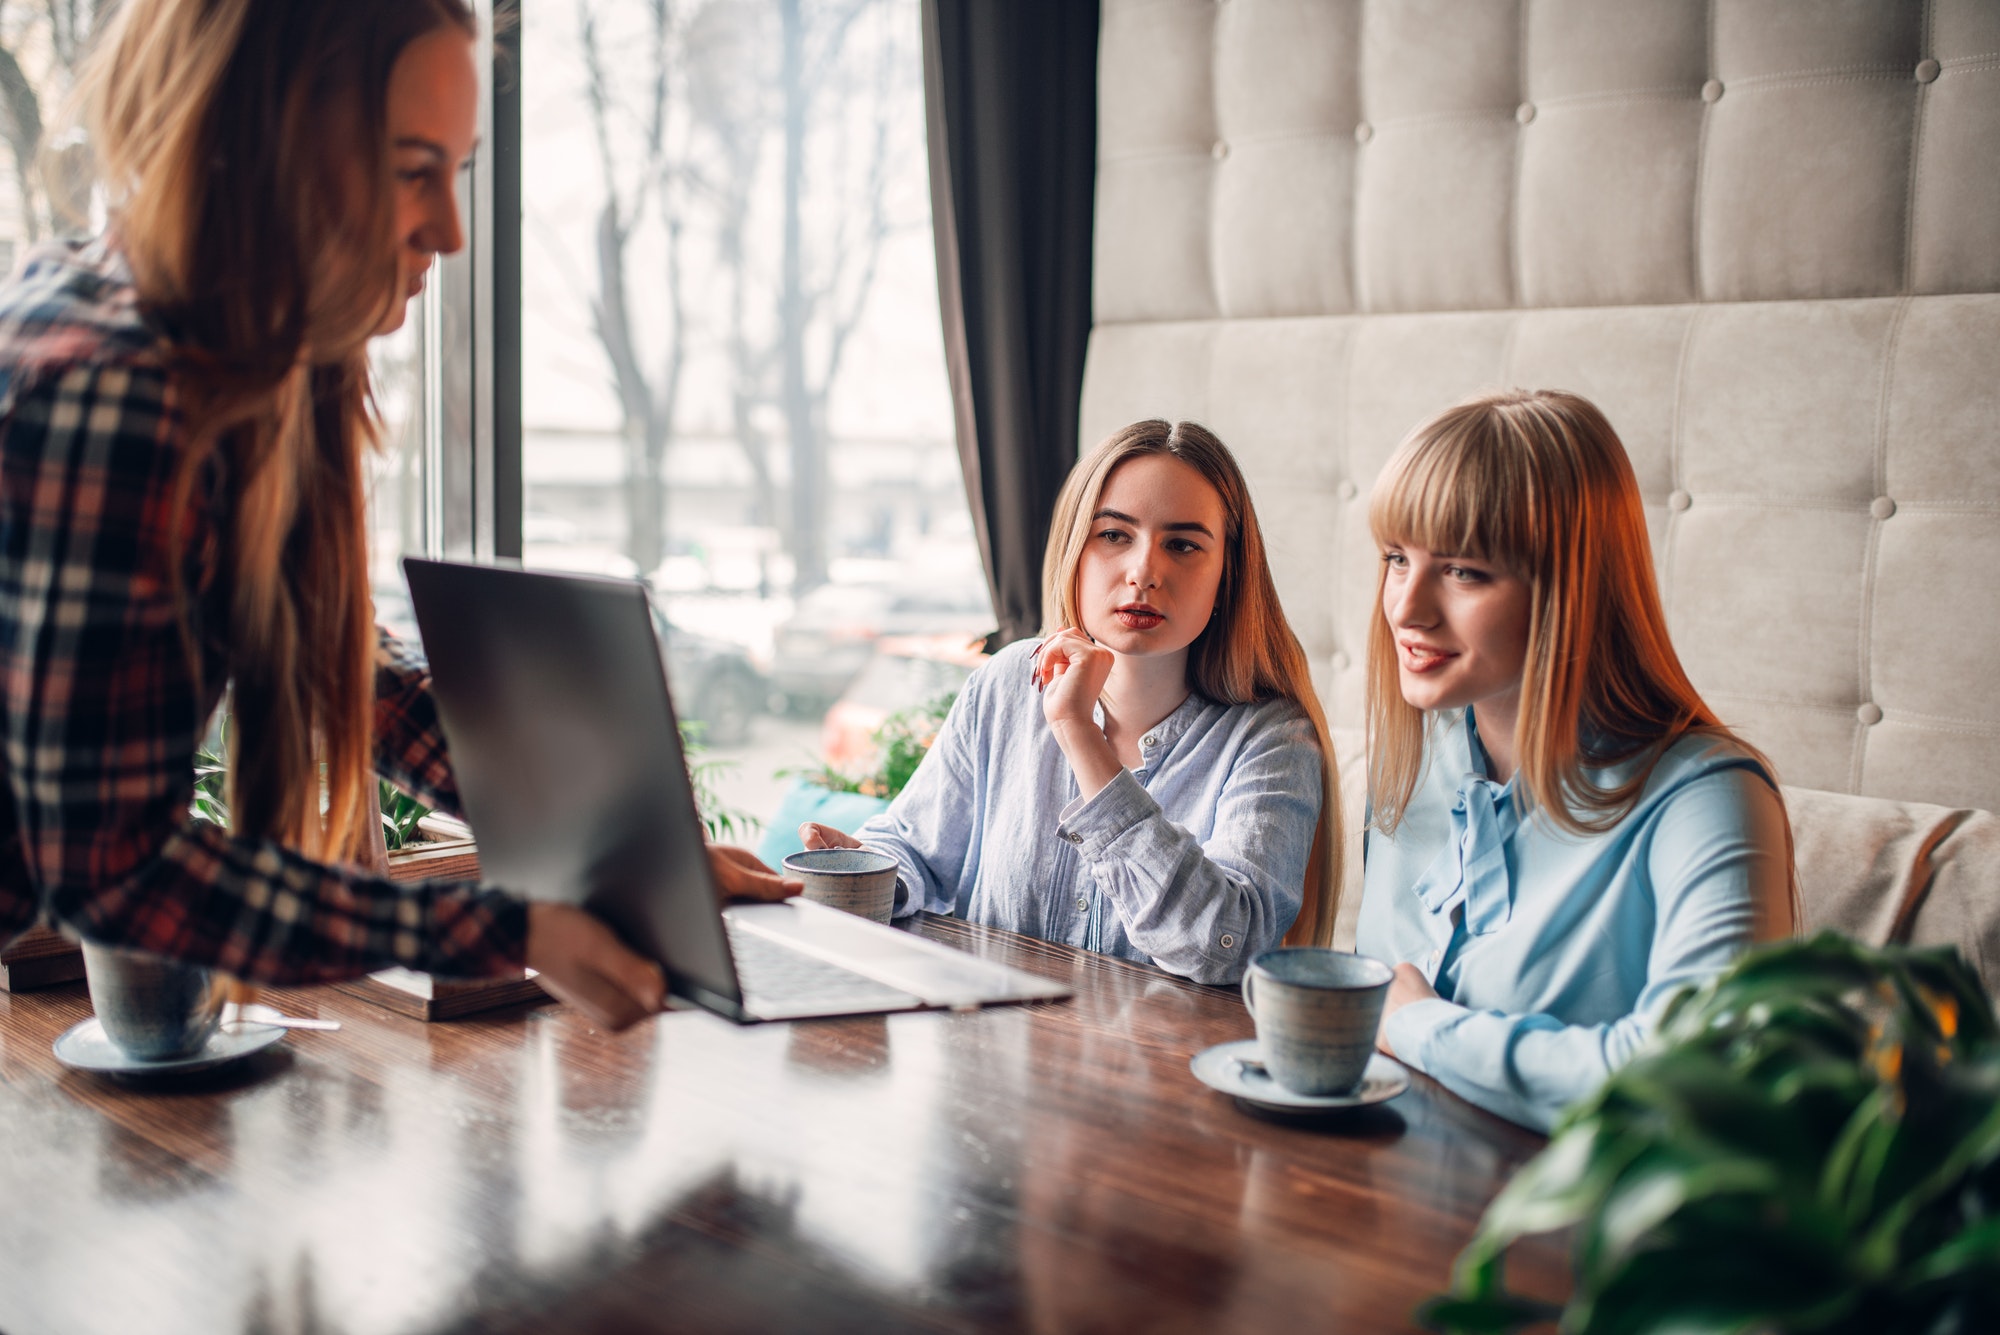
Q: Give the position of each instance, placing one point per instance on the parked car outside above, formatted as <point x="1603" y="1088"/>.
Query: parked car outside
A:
<point x="818" y="651"/>
<point x="713" y="683"/>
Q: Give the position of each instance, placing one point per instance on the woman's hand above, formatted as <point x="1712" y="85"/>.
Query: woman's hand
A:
<point x="1407" y="986"/>
<point x="740" y="876"/>
<point x="1070" y="669"/>
<point x="814" y="835"/>
<point x="586" y="966"/>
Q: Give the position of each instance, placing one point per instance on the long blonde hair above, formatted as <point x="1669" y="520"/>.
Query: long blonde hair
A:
<point x="1247" y="654"/>
<point x="1538" y="483"/>
<point x="269" y="261"/>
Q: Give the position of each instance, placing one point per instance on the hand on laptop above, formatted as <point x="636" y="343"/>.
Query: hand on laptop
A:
<point x="814" y="835"/>
<point x="587" y="967"/>
<point x="739" y="875"/>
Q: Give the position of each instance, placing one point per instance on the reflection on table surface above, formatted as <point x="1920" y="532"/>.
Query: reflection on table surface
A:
<point x="1049" y="1168"/>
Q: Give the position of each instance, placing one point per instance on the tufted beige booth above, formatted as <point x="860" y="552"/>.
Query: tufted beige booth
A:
<point x="1764" y="235"/>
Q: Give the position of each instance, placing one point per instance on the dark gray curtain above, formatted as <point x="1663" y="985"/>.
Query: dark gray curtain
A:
<point x="1011" y="100"/>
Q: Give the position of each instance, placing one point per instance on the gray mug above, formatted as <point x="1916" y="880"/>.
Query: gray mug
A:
<point x="1316" y="1012"/>
<point x="854" y="880"/>
<point x="154" y="1009"/>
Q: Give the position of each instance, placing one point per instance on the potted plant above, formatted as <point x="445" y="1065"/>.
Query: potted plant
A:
<point x="845" y="799"/>
<point x="1812" y="1144"/>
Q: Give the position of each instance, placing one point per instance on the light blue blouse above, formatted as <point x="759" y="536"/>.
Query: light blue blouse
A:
<point x="1552" y="952"/>
<point x="1194" y="862"/>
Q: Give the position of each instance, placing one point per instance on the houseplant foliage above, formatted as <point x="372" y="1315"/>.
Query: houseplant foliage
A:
<point x="1812" y="1145"/>
<point x="210" y="803"/>
<point x="401" y="812"/>
<point x="718" y="819"/>
<point x="900" y="745"/>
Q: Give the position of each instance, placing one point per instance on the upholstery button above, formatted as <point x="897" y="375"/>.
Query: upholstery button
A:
<point x="1712" y="91"/>
<point x="1347" y="491"/>
<point x="1363" y="132"/>
<point x="1882" y="507"/>
<point x="1679" y="500"/>
<point x="1341" y="662"/>
<point x="1525" y="112"/>
<point x="1928" y="70"/>
<point x="1082" y="904"/>
<point x="1227" y="940"/>
<point x="1220" y="151"/>
<point x="1870" y="713"/>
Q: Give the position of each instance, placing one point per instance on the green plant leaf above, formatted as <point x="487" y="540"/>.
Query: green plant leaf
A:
<point x="1715" y="1287"/>
<point x="1812" y="1144"/>
<point x="1972" y="1254"/>
<point x="899" y="746"/>
<point x="1665" y="1180"/>
<point x="1478" y="1316"/>
<point x="719" y="821"/>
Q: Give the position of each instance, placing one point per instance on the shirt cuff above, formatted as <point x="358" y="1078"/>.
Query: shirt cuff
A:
<point x="1094" y="823"/>
<point x="1412" y="1029"/>
<point x="473" y="931"/>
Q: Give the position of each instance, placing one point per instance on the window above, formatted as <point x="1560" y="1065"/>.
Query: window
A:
<point x="45" y="185"/>
<point x="446" y="482"/>
<point x="734" y="381"/>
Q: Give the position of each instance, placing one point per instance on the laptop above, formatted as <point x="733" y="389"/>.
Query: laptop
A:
<point x="553" y="697"/>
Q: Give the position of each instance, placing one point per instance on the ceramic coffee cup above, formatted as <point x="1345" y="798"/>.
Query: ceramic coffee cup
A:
<point x="854" y="880"/>
<point x="1316" y="1012"/>
<point x="154" y="1009"/>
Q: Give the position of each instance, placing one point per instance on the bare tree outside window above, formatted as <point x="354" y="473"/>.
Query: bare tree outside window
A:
<point x="735" y="384"/>
<point x="47" y="191"/>
<point x="807" y="87"/>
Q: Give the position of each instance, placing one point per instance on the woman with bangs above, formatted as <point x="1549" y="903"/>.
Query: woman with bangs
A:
<point x="184" y="411"/>
<point x="1561" y="833"/>
<point x="1152" y="778"/>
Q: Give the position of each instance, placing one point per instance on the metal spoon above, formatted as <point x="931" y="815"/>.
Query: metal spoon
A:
<point x="257" y="1013"/>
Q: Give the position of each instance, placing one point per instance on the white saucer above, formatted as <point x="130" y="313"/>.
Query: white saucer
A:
<point x="86" y="1047"/>
<point x="1219" y="1068"/>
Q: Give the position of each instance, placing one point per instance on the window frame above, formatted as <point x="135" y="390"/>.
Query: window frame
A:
<point x="472" y="330"/>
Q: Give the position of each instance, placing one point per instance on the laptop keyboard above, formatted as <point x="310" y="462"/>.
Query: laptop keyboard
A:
<point x="772" y="974"/>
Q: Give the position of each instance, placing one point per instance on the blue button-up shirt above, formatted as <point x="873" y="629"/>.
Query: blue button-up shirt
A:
<point x="1194" y="862"/>
<point x="1553" y="952"/>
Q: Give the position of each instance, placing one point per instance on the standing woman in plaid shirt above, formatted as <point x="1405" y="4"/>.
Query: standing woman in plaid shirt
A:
<point x="184" y="405"/>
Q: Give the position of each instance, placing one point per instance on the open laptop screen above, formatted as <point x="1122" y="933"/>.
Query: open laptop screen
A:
<point x="568" y="759"/>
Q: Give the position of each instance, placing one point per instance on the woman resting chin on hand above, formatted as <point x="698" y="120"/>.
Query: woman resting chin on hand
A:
<point x="1147" y="779"/>
<point x="1562" y="834"/>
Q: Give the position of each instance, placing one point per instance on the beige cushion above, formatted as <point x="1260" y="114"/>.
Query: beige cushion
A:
<point x="1319" y="157"/>
<point x="1884" y="871"/>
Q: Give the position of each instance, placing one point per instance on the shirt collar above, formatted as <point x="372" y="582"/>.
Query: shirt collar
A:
<point x="1472" y="868"/>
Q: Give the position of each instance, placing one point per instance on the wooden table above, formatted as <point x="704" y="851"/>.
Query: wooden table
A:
<point x="1045" y="1168"/>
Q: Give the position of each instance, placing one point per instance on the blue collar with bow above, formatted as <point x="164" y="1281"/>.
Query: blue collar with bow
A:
<point x="1472" y="869"/>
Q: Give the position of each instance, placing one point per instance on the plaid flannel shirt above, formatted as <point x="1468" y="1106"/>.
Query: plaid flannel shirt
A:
<point x="102" y="713"/>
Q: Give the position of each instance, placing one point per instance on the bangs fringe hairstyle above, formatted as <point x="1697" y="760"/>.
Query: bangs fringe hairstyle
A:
<point x="270" y="261"/>
<point x="1538" y="483"/>
<point x="1247" y="655"/>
